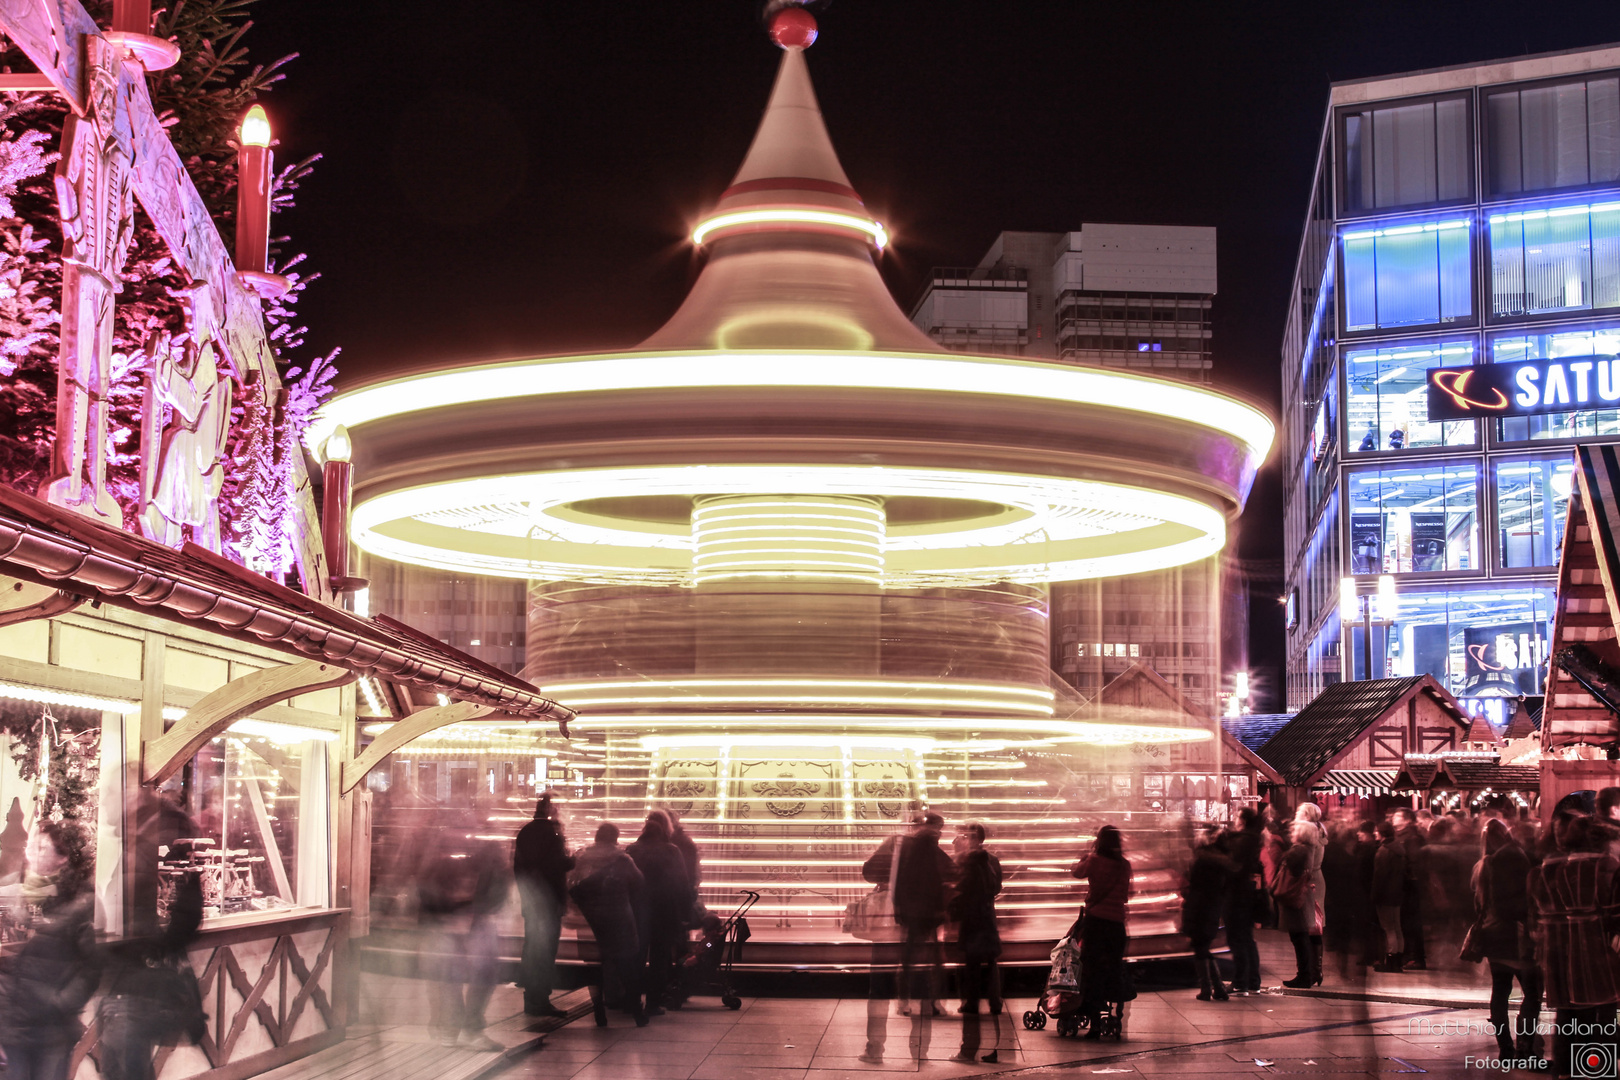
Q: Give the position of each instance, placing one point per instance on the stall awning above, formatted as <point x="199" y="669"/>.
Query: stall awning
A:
<point x="52" y="546"/>
<point x="1362" y="782"/>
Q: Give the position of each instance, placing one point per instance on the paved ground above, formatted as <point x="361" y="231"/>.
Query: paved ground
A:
<point x="1168" y="1032"/>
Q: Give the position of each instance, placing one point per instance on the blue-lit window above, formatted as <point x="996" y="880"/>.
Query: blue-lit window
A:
<point x="1322" y="569"/>
<point x="1532" y="502"/>
<point x="1549" y="345"/>
<point x="1386" y="405"/>
<point x="1565" y="258"/>
<point x="1479" y="641"/>
<point x="1407" y="155"/>
<point x="1548" y="137"/>
<point x="1407" y="275"/>
<point x="1418" y="518"/>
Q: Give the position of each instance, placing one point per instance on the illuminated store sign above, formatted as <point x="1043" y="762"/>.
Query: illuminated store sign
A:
<point x="1527" y="388"/>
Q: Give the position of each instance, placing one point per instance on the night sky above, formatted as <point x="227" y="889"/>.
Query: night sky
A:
<point x="518" y="178"/>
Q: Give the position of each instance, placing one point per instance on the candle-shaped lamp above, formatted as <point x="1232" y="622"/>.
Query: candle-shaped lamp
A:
<point x="253" y="167"/>
<point x="338" y="485"/>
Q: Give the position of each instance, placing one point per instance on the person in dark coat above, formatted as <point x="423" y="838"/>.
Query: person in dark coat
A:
<point x="1346" y="908"/>
<point x="462" y="893"/>
<point x="1296" y="913"/>
<point x="1107" y="874"/>
<point x="1575" y="903"/>
<point x="1413" y="843"/>
<point x="604" y="884"/>
<point x="1245" y="900"/>
<point x="664" y="906"/>
<point x="47" y="981"/>
<point x="1502" y="908"/>
<point x="973" y="909"/>
<point x="1370" y="937"/>
<point x="540" y="865"/>
<point x="141" y="1004"/>
<point x="1203" y="902"/>
<point x="1388" y="894"/>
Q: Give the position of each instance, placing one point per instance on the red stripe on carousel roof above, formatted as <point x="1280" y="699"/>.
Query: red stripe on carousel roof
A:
<point x="791" y="183"/>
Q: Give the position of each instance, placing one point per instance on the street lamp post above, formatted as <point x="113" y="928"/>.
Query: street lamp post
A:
<point x="1379" y="609"/>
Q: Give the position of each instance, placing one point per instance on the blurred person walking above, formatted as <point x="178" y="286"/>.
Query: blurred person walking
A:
<point x="46" y="982"/>
<point x="663" y="907"/>
<point x="152" y="995"/>
<point x="603" y="884"/>
<point x="1388" y="895"/>
<point x="1502" y="913"/>
<point x="1295" y="892"/>
<point x="1245" y="901"/>
<point x="973" y="909"/>
<point x="1107" y="874"/>
<point x="1346" y="907"/>
<point x="1574" y="905"/>
<point x="1203" y="902"/>
<point x="922" y="873"/>
<point x="1412" y="842"/>
<point x="462" y="892"/>
<point x="540" y="865"/>
<point x="1311" y="814"/>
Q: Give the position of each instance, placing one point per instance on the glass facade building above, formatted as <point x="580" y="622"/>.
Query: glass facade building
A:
<point x="1460" y="216"/>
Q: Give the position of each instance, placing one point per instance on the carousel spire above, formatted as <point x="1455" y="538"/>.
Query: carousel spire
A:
<point x="790" y="243"/>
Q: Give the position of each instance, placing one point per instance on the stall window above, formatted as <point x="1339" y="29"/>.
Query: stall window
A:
<point x="1565" y="258"/>
<point x="1548" y="137"/>
<point x="1551" y="345"/>
<point x="1386" y="406"/>
<point x="1478" y="642"/>
<point x="1414" y="519"/>
<point x="1407" y="275"/>
<point x="254" y="801"/>
<point x="1532" y="501"/>
<point x="1407" y="155"/>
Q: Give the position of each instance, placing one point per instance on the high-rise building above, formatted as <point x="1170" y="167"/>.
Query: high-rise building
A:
<point x="1459" y="218"/>
<point x="1120" y="296"/>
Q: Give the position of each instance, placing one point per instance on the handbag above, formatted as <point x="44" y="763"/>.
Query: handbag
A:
<point x="1289" y="887"/>
<point x="871" y="918"/>
<point x="1471" y="951"/>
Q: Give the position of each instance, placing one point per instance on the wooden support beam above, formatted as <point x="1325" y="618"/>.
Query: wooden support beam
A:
<point x="403" y="731"/>
<point x="21" y="601"/>
<point x="164" y="756"/>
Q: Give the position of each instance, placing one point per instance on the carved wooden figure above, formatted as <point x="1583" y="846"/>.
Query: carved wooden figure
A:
<point x="182" y="457"/>
<point x="93" y="190"/>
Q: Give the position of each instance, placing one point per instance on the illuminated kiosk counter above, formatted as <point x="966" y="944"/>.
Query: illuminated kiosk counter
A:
<point x="789" y="561"/>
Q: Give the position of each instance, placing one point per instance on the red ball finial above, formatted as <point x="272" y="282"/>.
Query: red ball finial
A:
<point x="793" y="28"/>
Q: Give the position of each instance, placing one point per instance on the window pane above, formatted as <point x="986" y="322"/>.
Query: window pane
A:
<point x="1550" y="346"/>
<point x="1404" y="155"/>
<point x="1408" y="280"/>
<point x="1357" y="163"/>
<point x="1415" y="519"/>
<point x="1480" y="642"/>
<point x="1606" y="256"/>
<point x="1387" y="407"/>
<point x="1603" y="122"/>
<point x="1456" y="275"/>
<point x="1557" y="261"/>
<point x="1452" y="156"/>
<point x="1532" y="501"/>
<point x="1553" y="136"/>
<point x="1502" y="114"/>
<point x="1507" y="266"/>
<point x="1360" y="292"/>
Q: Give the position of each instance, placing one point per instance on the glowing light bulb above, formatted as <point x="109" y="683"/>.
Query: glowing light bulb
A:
<point x="338" y="446"/>
<point x="256" y="127"/>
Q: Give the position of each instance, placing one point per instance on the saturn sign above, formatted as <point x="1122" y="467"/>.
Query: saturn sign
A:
<point x="1527" y="388"/>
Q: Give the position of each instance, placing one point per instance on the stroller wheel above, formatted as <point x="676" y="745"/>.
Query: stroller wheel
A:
<point x="1034" y="1021"/>
<point x="731" y="1001"/>
<point x="1068" y="1027"/>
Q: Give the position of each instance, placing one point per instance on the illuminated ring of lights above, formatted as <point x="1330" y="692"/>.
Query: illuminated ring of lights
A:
<point x="983" y="378"/>
<point x="1161" y="530"/>
<point x="951" y="695"/>
<point x="1045" y="731"/>
<point x="789" y="215"/>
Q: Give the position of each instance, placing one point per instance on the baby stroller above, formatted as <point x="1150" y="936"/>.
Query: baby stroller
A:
<point x="707" y="969"/>
<point x="1063" y="998"/>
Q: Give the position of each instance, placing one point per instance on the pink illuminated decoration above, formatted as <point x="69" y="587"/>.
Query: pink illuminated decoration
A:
<point x="114" y="146"/>
<point x="337" y="494"/>
<point x="93" y="191"/>
<point x="183" y="460"/>
<point x="132" y="29"/>
<point x="794" y="28"/>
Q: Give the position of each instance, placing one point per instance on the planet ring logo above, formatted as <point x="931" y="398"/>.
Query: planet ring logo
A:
<point x="1455" y="384"/>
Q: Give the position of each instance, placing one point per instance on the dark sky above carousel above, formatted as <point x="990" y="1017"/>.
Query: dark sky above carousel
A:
<point x="510" y="178"/>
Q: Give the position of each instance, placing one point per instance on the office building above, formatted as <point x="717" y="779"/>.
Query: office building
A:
<point x="1459" y="218"/>
<point x="1135" y="297"/>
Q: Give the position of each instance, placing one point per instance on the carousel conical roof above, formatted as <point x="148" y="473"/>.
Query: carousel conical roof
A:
<point x="790" y="245"/>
